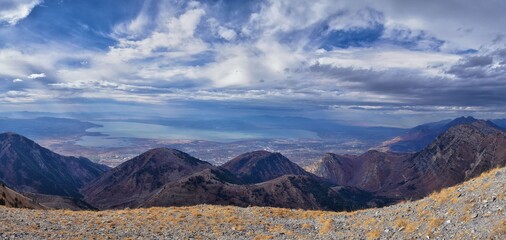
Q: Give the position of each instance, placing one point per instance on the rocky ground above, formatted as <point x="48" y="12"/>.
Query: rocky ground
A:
<point x="473" y="210"/>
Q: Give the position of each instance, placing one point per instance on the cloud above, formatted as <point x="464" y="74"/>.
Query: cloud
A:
<point x="36" y="75"/>
<point x="137" y="27"/>
<point x="488" y="67"/>
<point x="17" y="80"/>
<point x="12" y="11"/>
<point x="393" y="56"/>
<point x="24" y="96"/>
<point x="173" y="36"/>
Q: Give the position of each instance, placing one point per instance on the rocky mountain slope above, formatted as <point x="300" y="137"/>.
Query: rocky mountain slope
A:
<point x="131" y="182"/>
<point x="368" y="171"/>
<point x="167" y="177"/>
<point x="421" y="136"/>
<point x="59" y="202"/>
<point x="11" y="198"/>
<point x="288" y="191"/>
<point x="27" y="167"/>
<point x="462" y="152"/>
<point x="472" y="210"/>
<point x="261" y="166"/>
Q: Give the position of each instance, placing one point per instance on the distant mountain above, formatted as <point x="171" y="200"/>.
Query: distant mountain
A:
<point x="261" y="166"/>
<point x="27" y="167"/>
<point x="421" y="136"/>
<point x="43" y="127"/>
<point x="131" y="182"/>
<point x="11" y="198"/>
<point x="460" y="153"/>
<point x="500" y="122"/>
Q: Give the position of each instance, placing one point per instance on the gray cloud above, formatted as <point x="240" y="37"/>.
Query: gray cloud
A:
<point x="475" y="82"/>
<point x="397" y="56"/>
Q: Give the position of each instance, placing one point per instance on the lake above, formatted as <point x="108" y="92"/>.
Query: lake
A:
<point x="119" y="132"/>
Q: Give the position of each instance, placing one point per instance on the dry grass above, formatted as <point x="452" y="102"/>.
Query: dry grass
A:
<point x="327" y="226"/>
<point x="406" y="225"/>
<point x="306" y="226"/>
<point x="466" y="217"/>
<point x="263" y="237"/>
<point x="434" y="224"/>
<point x="412" y="227"/>
<point x="277" y="229"/>
<point x="499" y="229"/>
<point x="374" y="234"/>
<point x="401" y="223"/>
<point x="370" y="221"/>
<point x="444" y="196"/>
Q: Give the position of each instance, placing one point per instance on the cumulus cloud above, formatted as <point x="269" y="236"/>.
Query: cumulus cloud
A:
<point x="173" y="36"/>
<point x="36" y="75"/>
<point x="396" y="56"/>
<point x="17" y="80"/>
<point x="12" y="11"/>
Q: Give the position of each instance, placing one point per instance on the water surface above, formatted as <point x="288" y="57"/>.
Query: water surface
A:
<point x="117" y="134"/>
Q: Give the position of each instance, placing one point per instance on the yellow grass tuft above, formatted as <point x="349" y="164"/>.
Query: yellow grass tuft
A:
<point x="499" y="229"/>
<point x="327" y="225"/>
<point x="374" y="234"/>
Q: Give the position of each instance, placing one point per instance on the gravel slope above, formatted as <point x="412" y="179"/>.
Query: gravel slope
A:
<point x="473" y="210"/>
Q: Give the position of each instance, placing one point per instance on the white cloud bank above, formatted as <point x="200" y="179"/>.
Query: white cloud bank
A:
<point x="187" y="50"/>
<point x="12" y="11"/>
<point x="36" y="75"/>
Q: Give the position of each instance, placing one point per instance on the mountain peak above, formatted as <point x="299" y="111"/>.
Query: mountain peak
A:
<point x="161" y="155"/>
<point x="482" y="126"/>
<point x="462" y="120"/>
<point x="141" y="176"/>
<point x="163" y="150"/>
<point x="421" y="136"/>
<point x="28" y="167"/>
<point x="13" y="137"/>
<point x="260" y="166"/>
<point x="259" y="153"/>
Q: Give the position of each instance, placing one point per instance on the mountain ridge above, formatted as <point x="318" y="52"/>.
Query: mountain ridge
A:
<point x="27" y="167"/>
<point x="166" y="177"/>
<point x="464" y="151"/>
<point x="260" y="166"/>
<point x="132" y="181"/>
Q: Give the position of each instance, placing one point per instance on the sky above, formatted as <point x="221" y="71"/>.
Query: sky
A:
<point x="391" y="63"/>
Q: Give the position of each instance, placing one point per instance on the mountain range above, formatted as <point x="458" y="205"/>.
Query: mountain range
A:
<point x="168" y="177"/>
<point x="419" y="137"/>
<point x="465" y="148"/>
<point x="460" y="153"/>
